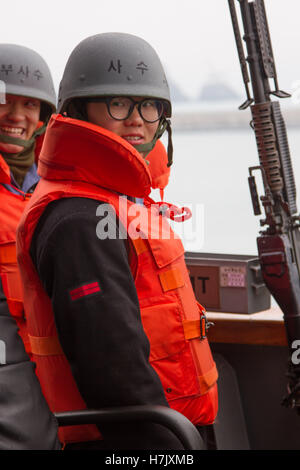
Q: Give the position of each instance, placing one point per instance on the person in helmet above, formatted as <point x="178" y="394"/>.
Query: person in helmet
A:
<point x="111" y="309"/>
<point x="27" y="100"/>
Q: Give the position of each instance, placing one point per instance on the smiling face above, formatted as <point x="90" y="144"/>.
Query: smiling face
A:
<point x="133" y="129"/>
<point x="19" y="118"/>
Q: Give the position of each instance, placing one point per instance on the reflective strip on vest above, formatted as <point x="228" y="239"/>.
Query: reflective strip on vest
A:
<point x="45" y="345"/>
<point x="207" y="380"/>
<point x="8" y="253"/>
<point x="139" y="245"/>
<point x="171" y="279"/>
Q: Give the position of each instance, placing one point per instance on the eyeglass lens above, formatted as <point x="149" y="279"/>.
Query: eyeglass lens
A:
<point x="121" y="107"/>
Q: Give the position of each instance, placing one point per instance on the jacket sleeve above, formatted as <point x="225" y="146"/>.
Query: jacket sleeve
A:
<point x="26" y="422"/>
<point x="96" y="308"/>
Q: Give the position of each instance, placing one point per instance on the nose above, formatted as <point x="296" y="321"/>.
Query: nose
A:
<point x="135" y="119"/>
<point x="15" y="112"/>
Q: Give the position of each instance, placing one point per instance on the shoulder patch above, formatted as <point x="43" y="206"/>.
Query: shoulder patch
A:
<point x="85" y="290"/>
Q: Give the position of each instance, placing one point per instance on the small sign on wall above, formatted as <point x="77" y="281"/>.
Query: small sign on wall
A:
<point x="231" y="276"/>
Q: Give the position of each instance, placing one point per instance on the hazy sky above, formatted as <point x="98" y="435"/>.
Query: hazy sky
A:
<point x="193" y="38"/>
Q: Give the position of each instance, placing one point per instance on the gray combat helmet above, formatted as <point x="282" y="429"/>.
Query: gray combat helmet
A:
<point x="113" y="64"/>
<point x="116" y="64"/>
<point x="24" y="72"/>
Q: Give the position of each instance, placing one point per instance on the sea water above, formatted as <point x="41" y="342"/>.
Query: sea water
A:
<point x="210" y="176"/>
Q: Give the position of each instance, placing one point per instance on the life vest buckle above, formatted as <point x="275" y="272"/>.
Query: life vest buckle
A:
<point x="204" y="325"/>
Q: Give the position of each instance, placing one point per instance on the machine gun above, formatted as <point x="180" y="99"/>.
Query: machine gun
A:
<point x="279" y="241"/>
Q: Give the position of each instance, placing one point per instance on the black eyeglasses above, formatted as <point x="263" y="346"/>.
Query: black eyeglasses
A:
<point x="121" y="107"/>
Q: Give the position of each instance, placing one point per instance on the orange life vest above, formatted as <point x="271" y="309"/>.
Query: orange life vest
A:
<point x="172" y="319"/>
<point x="13" y="202"/>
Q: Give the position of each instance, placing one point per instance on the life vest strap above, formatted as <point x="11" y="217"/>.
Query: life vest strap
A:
<point x="45" y="345"/>
<point x="196" y="328"/>
<point x="15" y="307"/>
<point x="193" y="328"/>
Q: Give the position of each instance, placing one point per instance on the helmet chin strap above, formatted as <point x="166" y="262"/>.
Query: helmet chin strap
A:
<point x="145" y="149"/>
<point x="7" y="139"/>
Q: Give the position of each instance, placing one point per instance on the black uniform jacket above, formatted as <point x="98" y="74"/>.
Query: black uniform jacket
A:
<point x="101" y="334"/>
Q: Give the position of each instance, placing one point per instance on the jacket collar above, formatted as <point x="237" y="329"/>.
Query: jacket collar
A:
<point x="80" y="151"/>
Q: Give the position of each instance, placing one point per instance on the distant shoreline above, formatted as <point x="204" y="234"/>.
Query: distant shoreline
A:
<point x="224" y="116"/>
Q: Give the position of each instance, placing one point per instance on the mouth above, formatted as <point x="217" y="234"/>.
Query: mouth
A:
<point x="12" y="131"/>
<point x="134" y="139"/>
